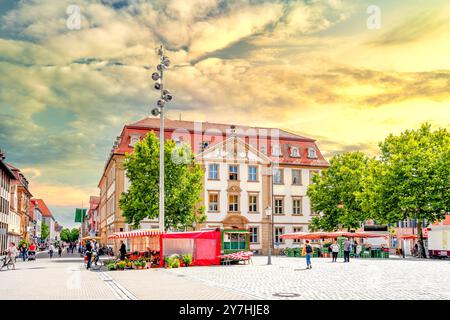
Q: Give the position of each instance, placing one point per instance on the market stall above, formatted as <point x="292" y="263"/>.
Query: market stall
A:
<point x="203" y="247"/>
<point x="141" y="244"/>
<point x="340" y="236"/>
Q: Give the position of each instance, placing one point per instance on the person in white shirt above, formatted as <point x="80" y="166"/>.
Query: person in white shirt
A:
<point x="335" y="250"/>
<point x="11" y="254"/>
<point x="358" y="249"/>
<point x="51" y="249"/>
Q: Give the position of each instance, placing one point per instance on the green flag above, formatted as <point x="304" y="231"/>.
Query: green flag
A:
<point x="80" y="215"/>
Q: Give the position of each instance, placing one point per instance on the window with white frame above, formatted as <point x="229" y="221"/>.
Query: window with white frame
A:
<point x="252" y="173"/>
<point x="312" y="153"/>
<point x="296" y="177"/>
<point x="296" y="206"/>
<point x="297" y="229"/>
<point x="278" y="231"/>
<point x="278" y="176"/>
<point x="254" y="235"/>
<point x="252" y="203"/>
<point x="213" y="205"/>
<point x="279" y="205"/>
<point x="134" y="138"/>
<point x="233" y="172"/>
<point x="233" y="203"/>
<point x="294" y="152"/>
<point x="213" y="171"/>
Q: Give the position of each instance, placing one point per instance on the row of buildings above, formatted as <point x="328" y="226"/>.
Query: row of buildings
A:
<point x="244" y="167"/>
<point x="22" y="216"/>
<point x="247" y="170"/>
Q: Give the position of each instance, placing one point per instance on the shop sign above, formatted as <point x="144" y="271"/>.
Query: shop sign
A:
<point x="110" y="220"/>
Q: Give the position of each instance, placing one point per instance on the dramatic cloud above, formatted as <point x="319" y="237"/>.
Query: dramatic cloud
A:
<point x="306" y="66"/>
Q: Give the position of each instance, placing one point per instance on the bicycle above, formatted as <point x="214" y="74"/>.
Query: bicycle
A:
<point x="8" y="263"/>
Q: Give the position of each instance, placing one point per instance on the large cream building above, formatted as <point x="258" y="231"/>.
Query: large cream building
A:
<point x="243" y="167"/>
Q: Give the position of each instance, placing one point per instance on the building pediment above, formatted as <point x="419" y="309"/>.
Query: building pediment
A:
<point x="233" y="149"/>
<point x="234" y="188"/>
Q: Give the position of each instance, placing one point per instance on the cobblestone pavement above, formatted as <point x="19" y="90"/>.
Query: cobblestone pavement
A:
<point x="360" y="279"/>
<point x="54" y="279"/>
<point x="286" y="278"/>
<point x="162" y="284"/>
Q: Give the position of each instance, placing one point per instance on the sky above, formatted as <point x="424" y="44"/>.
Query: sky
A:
<point x="316" y="68"/>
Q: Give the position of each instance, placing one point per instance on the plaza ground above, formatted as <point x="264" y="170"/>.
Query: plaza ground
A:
<point x="286" y="278"/>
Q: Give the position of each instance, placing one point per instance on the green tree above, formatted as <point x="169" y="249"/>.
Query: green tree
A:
<point x="74" y="234"/>
<point x="183" y="184"/>
<point x="68" y="235"/>
<point x="411" y="179"/>
<point x="45" y="232"/>
<point x="335" y="193"/>
<point x="65" y="235"/>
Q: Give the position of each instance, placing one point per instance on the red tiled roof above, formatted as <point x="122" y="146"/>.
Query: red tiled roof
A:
<point x="43" y="207"/>
<point x="216" y="132"/>
<point x="169" y="124"/>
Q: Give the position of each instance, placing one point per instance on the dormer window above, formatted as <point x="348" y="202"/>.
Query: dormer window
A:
<point x="294" y="152"/>
<point x="312" y="153"/>
<point x="134" y="138"/>
<point x="276" y="150"/>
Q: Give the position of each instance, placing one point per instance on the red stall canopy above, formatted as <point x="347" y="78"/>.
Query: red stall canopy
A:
<point x="204" y="246"/>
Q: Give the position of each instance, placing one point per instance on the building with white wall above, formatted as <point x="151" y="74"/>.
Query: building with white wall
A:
<point x="238" y="162"/>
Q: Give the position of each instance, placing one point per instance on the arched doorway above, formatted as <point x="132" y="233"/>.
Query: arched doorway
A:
<point x="235" y="221"/>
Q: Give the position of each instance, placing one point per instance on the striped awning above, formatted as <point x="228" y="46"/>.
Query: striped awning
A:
<point x="136" y="234"/>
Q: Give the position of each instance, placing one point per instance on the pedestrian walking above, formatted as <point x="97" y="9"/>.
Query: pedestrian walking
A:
<point x="122" y="250"/>
<point x="358" y="250"/>
<point x="24" y="251"/>
<point x="51" y="249"/>
<point x="59" y="251"/>
<point x="335" y="251"/>
<point x="11" y="254"/>
<point x="307" y="249"/>
<point x="88" y="253"/>
<point x="347" y="250"/>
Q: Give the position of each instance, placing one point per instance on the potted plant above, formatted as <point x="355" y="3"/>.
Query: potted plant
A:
<point x="166" y="261"/>
<point x="121" y="265"/>
<point x="111" y="266"/>
<point x="187" y="260"/>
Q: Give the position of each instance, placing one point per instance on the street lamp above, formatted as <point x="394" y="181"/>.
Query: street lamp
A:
<point x="164" y="98"/>
<point x="269" y="253"/>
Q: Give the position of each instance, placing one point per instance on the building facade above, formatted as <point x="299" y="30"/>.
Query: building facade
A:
<point x="14" y="220"/>
<point x="23" y="203"/>
<point x="48" y="219"/>
<point x="92" y="217"/>
<point x="6" y="176"/>
<point x="36" y="216"/>
<point x="249" y="172"/>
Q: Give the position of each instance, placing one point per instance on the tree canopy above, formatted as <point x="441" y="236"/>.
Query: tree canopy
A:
<point x="411" y="179"/>
<point x="68" y="235"/>
<point x="45" y="232"/>
<point x="183" y="184"/>
<point x="335" y="193"/>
